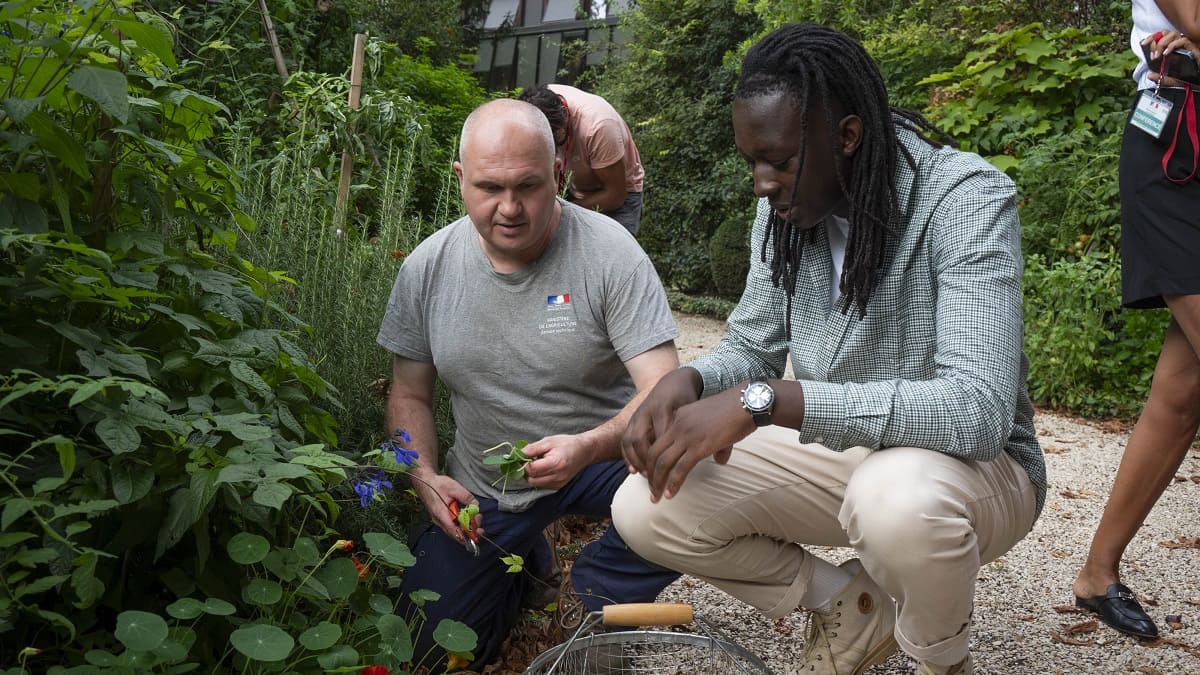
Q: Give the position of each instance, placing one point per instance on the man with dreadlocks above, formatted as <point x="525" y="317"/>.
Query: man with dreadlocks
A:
<point x="888" y="267"/>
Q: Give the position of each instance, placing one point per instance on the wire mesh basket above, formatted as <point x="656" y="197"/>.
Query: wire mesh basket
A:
<point x="647" y="651"/>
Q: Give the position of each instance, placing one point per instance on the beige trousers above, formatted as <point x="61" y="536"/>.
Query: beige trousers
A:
<point x="921" y="522"/>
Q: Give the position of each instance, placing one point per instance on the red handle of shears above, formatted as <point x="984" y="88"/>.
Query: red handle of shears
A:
<point x="466" y="530"/>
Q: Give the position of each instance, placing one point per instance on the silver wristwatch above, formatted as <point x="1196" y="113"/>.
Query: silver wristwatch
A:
<point x="758" y="398"/>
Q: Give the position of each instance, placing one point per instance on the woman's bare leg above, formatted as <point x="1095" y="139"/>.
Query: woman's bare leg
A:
<point x="1160" y="440"/>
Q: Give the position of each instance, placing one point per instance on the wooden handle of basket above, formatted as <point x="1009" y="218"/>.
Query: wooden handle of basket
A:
<point x="647" y="614"/>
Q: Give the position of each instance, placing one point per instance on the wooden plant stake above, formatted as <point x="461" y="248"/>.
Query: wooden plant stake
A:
<point x="269" y="28"/>
<point x="356" y="71"/>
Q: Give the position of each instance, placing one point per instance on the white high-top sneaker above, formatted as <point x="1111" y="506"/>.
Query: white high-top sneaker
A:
<point x="857" y="631"/>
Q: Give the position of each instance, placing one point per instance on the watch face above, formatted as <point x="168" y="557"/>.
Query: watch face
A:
<point x="758" y="396"/>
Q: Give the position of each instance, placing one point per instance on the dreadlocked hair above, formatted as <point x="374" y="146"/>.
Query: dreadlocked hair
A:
<point x="820" y="68"/>
<point x="544" y="98"/>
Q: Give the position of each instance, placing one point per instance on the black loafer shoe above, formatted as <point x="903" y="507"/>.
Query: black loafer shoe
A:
<point x="1119" y="608"/>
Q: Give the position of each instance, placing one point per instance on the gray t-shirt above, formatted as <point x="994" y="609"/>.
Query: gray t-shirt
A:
<point x="530" y="354"/>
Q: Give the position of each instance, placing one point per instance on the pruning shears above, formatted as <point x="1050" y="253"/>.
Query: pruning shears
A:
<point x="470" y="540"/>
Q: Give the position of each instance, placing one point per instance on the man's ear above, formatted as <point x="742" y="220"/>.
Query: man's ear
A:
<point x="850" y="133"/>
<point x="458" y="172"/>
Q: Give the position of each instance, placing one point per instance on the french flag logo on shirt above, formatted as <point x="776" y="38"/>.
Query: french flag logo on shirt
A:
<point x="564" y="299"/>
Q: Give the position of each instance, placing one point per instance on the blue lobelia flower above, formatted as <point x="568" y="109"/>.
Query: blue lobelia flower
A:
<point x="404" y="456"/>
<point x="369" y="488"/>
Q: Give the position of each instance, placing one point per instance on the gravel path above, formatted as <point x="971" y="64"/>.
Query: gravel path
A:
<point x="1022" y="612"/>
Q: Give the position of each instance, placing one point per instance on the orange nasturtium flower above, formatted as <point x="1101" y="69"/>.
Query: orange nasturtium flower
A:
<point x="362" y="568"/>
<point x="373" y="670"/>
<point x="454" y="662"/>
<point x="343" y="545"/>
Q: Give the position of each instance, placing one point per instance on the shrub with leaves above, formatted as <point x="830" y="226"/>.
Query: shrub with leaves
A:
<point x="1087" y="354"/>
<point x="149" y="412"/>
<point x="1029" y="83"/>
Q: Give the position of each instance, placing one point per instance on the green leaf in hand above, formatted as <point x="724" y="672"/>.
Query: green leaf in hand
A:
<point x="466" y="514"/>
<point x="512" y="463"/>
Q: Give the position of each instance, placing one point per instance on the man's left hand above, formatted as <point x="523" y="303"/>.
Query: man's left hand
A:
<point x="556" y="460"/>
<point x="707" y="427"/>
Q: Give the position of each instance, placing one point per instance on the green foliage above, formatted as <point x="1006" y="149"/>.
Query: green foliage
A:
<point x="95" y="136"/>
<point x="143" y="410"/>
<point x="148" y="412"/>
<point x="909" y="48"/>
<point x="675" y="90"/>
<point x="297" y="611"/>
<point x="729" y="255"/>
<point x="227" y="53"/>
<point x="699" y="304"/>
<point x="343" y="274"/>
<point x="1030" y="83"/>
<point x="1086" y="354"/>
<point x="1069" y="201"/>
<point x="444" y="96"/>
<point x="439" y="30"/>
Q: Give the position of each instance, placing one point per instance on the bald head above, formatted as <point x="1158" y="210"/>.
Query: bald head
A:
<point x="502" y="120"/>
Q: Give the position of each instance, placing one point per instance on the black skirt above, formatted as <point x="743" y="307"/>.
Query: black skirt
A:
<point x="1160" y="220"/>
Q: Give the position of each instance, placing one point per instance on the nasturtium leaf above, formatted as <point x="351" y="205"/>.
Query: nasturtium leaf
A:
<point x="185" y="608"/>
<point x="247" y="548"/>
<point x="321" y="636"/>
<point x="389" y="549"/>
<point x="339" y="576"/>
<point x="455" y="636"/>
<point x="262" y="642"/>
<point x="390" y="626"/>
<point x="283" y="563"/>
<point x="99" y="657"/>
<point x="218" y="607"/>
<point x="140" y="631"/>
<point x="380" y="603"/>
<point x="262" y="592"/>
<point x="306" y="550"/>
<point x="171" y="651"/>
<point x="107" y="87"/>
<point x="423" y="595"/>
<point x="341" y="656"/>
<point x="139" y="662"/>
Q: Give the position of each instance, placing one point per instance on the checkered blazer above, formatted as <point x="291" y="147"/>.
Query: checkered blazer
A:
<point x="938" y="360"/>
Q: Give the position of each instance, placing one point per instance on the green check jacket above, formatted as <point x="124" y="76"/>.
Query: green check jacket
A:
<point x="938" y="361"/>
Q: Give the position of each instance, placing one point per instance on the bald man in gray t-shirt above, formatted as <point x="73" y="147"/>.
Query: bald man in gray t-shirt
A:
<point x="547" y="323"/>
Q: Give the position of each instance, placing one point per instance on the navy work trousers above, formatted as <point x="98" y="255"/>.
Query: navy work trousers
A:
<point x="482" y="594"/>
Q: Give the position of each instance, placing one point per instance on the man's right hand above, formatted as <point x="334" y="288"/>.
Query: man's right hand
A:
<point x="436" y="491"/>
<point x="652" y="418"/>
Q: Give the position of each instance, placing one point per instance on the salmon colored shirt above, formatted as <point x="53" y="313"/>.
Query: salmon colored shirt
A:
<point x="597" y="137"/>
